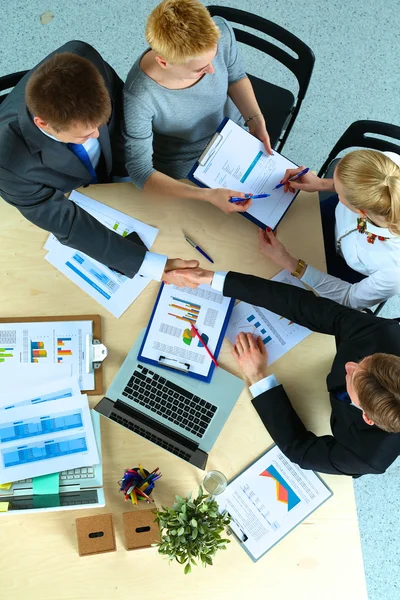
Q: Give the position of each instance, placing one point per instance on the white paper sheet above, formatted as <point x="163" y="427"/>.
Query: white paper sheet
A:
<point x="241" y="163"/>
<point x="45" y="438"/>
<point x="114" y="291"/>
<point x="24" y="393"/>
<point x="46" y="343"/>
<point x="170" y="332"/>
<point x="278" y="334"/>
<point x="270" y="499"/>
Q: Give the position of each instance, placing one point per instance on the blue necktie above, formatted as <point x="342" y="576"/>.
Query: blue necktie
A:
<point x="80" y="152"/>
<point x="343" y="396"/>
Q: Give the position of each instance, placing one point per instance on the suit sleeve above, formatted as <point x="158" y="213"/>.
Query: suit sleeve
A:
<point x="51" y="210"/>
<point x="299" y="305"/>
<point x="323" y="454"/>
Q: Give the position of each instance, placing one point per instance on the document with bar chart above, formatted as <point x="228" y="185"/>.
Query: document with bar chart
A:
<point x="279" y="335"/>
<point x="170" y="334"/>
<point x="237" y="160"/>
<point x="47" y="437"/>
<point x="269" y="499"/>
<point x="58" y="342"/>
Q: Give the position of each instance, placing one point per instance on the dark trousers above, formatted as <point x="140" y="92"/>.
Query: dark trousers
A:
<point x="336" y="265"/>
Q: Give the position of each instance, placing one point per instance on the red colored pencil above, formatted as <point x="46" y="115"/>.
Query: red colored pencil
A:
<point x="204" y="344"/>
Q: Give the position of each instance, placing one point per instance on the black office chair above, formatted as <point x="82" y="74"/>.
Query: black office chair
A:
<point x="9" y="81"/>
<point x="360" y="134"/>
<point x="278" y="105"/>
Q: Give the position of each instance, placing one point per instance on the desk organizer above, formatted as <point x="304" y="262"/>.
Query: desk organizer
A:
<point x="140" y="529"/>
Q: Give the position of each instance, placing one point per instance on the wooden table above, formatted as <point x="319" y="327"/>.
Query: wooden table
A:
<point x="321" y="559"/>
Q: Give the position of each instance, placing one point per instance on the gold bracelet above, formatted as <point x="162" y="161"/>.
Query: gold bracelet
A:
<point x="300" y="266"/>
<point x="253" y="117"/>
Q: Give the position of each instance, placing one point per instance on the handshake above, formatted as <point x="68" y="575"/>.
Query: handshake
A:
<point x="186" y="273"/>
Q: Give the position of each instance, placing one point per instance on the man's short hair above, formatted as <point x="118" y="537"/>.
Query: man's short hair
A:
<point x="68" y="89"/>
<point x="179" y="30"/>
<point x="378" y="389"/>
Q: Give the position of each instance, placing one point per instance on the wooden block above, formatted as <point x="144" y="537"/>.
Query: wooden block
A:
<point x="95" y="534"/>
<point x="140" y="529"/>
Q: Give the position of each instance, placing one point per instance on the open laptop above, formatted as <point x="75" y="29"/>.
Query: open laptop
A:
<point x="79" y="488"/>
<point x="180" y="414"/>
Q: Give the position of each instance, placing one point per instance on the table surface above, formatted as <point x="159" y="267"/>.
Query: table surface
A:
<point x="38" y="553"/>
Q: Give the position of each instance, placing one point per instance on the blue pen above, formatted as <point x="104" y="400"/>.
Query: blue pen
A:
<point x="192" y="243"/>
<point x="303" y="172"/>
<point x="235" y="199"/>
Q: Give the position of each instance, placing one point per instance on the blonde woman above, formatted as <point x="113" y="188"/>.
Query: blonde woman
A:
<point x="176" y="95"/>
<point x="361" y="227"/>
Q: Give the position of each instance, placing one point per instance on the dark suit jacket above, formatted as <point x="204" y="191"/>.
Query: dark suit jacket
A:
<point x="355" y="448"/>
<point x="36" y="172"/>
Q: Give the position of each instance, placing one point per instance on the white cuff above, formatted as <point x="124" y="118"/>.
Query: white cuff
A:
<point x="259" y="387"/>
<point x="153" y="266"/>
<point x="218" y="281"/>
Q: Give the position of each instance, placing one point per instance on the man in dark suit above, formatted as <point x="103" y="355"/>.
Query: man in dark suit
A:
<point x="60" y="128"/>
<point x="364" y="382"/>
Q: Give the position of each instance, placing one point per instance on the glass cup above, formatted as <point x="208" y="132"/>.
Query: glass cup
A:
<point x="215" y="482"/>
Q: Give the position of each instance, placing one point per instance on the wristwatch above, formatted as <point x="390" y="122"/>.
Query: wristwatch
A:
<point x="300" y="266"/>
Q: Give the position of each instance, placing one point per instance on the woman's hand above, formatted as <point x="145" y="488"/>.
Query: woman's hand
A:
<point x="275" y="250"/>
<point x="308" y="182"/>
<point x="220" y="197"/>
<point x="258" y="129"/>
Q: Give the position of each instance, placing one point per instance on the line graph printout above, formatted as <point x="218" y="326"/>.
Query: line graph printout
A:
<point x="270" y="499"/>
<point x="250" y="170"/>
<point x="279" y="335"/>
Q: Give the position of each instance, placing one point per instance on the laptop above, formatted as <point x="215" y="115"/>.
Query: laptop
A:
<point x="178" y="413"/>
<point x="79" y="488"/>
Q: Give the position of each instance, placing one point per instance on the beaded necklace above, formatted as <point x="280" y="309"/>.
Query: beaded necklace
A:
<point x="371" y="237"/>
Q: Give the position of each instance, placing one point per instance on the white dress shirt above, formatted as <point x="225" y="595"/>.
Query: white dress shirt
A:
<point x="153" y="265"/>
<point x="380" y="262"/>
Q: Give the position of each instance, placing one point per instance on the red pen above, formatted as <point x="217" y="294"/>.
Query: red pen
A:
<point x="205" y="345"/>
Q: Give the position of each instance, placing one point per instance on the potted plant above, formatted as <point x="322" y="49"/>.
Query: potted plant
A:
<point x="192" y="530"/>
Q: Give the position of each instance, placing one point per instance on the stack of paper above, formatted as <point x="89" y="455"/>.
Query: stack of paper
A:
<point x="44" y="428"/>
<point x="114" y="291"/>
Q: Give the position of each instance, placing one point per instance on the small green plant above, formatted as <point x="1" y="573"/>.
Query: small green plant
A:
<point x="191" y="530"/>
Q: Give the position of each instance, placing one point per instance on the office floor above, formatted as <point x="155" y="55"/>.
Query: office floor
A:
<point x="355" y="77"/>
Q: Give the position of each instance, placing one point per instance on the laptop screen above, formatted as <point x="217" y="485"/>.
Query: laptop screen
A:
<point x="51" y="501"/>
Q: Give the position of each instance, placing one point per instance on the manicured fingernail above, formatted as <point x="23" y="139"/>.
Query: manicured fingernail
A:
<point x="269" y="228"/>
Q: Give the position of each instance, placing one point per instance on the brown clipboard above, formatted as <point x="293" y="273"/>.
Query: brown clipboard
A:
<point x="96" y="331"/>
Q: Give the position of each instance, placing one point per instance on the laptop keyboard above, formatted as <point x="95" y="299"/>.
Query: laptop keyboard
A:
<point x="170" y="401"/>
<point x="81" y="473"/>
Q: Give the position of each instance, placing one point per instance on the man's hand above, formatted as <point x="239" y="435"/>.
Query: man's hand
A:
<point x="271" y="247"/>
<point x="251" y="356"/>
<point x="220" y="198"/>
<point x="170" y="273"/>
<point x="193" y="277"/>
<point x="258" y="129"/>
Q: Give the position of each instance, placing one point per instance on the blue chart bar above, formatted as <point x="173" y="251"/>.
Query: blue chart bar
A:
<point x="27" y="428"/>
<point x="66" y="393"/>
<point x="257" y="324"/>
<point x="251" y="318"/>
<point x="263" y="331"/>
<point x="267" y="339"/>
<point x="21" y="455"/>
<point x="64" y="339"/>
<point x="251" y="167"/>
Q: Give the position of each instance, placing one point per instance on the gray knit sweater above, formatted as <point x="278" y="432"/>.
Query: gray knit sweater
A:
<point x="167" y="130"/>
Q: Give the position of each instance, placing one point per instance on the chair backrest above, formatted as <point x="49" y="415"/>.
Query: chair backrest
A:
<point x="301" y="66"/>
<point x="361" y="134"/>
<point x="9" y="81"/>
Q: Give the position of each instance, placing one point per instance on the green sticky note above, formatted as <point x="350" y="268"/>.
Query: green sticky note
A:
<point x="46" y="501"/>
<point x="46" y="484"/>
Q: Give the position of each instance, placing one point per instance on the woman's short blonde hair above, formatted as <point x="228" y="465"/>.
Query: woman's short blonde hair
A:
<point x="179" y="30"/>
<point x="371" y="182"/>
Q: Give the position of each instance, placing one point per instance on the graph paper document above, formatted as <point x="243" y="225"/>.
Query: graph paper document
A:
<point x="278" y="334"/>
<point x="270" y="499"/>
<point x="44" y="438"/>
<point x="238" y="161"/>
<point x="46" y="343"/>
<point x="170" y="335"/>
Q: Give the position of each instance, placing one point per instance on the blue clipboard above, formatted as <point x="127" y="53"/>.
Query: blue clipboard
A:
<point x="205" y="156"/>
<point x="205" y="378"/>
<point x="290" y="530"/>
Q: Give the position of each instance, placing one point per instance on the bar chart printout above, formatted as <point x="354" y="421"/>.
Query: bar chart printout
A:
<point x="62" y="348"/>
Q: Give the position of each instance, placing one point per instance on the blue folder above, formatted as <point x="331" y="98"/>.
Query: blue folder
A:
<point x="193" y="179"/>
<point x="205" y="378"/>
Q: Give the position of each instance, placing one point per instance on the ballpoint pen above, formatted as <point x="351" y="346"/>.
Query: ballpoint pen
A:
<point x="194" y="330"/>
<point x="192" y="243"/>
<point x="303" y="172"/>
<point x="247" y="197"/>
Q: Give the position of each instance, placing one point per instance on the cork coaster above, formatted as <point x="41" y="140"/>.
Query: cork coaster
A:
<point x="140" y="529"/>
<point x="95" y="534"/>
